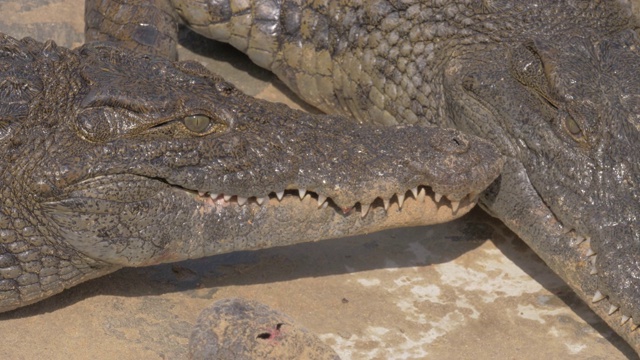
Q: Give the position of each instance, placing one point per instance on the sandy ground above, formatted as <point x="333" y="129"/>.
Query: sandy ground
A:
<point x="462" y="290"/>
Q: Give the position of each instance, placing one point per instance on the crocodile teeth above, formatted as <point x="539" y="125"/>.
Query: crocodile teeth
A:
<point x="280" y="194"/>
<point x="593" y="265"/>
<point x="414" y="191"/>
<point x="455" y="205"/>
<point x="597" y="297"/>
<point x="613" y="309"/>
<point x="325" y="204"/>
<point x="213" y="196"/>
<point x="364" y="209"/>
<point x="437" y="197"/>
<point x="590" y="252"/>
<point x="201" y="193"/>
<point x="261" y="200"/>
<point x="624" y="319"/>
<point x="634" y="326"/>
<point x="242" y="200"/>
<point x="400" y="201"/>
<point x="302" y="193"/>
<point x="576" y="240"/>
<point x="321" y="200"/>
<point x="227" y="197"/>
<point x="421" y="195"/>
<point x="386" y="204"/>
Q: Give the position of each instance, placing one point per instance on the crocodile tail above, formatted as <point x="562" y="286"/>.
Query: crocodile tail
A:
<point x="148" y="26"/>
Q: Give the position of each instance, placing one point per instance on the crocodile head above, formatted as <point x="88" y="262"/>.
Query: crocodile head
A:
<point x="112" y="159"/>
<point x="564" y="108"/>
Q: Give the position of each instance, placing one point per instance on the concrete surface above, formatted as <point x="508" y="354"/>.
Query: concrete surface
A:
<point x="469" y="289"/>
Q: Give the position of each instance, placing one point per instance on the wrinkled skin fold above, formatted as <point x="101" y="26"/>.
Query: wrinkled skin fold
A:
<point x="554" y="85"/>
<point x="113" y="158"/>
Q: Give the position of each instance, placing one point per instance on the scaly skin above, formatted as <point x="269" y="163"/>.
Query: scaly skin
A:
<point x="114" y="159"/>
<point x="242" y="329"/>
<point x="554" y="85"/>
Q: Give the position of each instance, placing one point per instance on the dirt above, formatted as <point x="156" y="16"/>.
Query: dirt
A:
<point x="466" y="289"/>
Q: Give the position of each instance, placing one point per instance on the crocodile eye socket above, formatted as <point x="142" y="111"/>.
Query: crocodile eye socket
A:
<point x="573" y="128"/>
<point x="199" y="124"/>
<point x="527" y="66"/>
<point x="470" y="82"/>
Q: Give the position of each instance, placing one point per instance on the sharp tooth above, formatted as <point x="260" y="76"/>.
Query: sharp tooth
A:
<point x="242" y="200"/>
<point x="577" y="241"/>
<point x="261" y="200"/>
<point x="633" y="327"/>
<point x="321" y="200"/>
<point x="455" y="205"/>
<point x="437" y="197"/>
<point x="201" y="193"/>
<point x="227" y="197"/>
<point x="564" y="229"/>
<point x="597" y="297"/>
<point x="400" y="201"/>
<point x="280" y="194"/>
<point x="213" y="196"/>
<point x="590" y="252"/>
<point x="414" y="191"/>
<point x="302" y="193"/>
<point x="421" y="195"/>
<point x="364" y="209"/>
<point x="613" y="309"/>
<point x="386" y="204"/>
<point x="593" y="265"/>
<point x="325" y="204"/>
<point x="624" y="319"/>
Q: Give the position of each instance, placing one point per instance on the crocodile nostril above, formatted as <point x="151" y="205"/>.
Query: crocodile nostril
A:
<point x="455" y="144"/>
<point x="264" y="336"/>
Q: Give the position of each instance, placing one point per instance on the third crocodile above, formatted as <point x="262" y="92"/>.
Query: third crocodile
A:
<point x="554" y="85"/>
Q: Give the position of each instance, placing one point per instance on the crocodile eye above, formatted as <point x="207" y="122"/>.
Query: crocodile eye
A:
<point x="199" y="124"/>
<point x="572" y="127"/>
<point x="527" y="67"/>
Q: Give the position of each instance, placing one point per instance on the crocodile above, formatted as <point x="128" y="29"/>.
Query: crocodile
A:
<point x="554" y="85"/>
<point x="223" y="330"/>
<point x="141" y="160"/>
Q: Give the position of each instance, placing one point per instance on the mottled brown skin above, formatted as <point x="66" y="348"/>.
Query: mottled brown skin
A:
<point x="240" y="329"/>
<point x="554" y="85"/>
<point x="113" y="158"/>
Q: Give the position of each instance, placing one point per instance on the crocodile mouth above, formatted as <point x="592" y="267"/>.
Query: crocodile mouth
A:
<point x="109" y="188"/>
<point x="158" y="222"/>
<point x="412" y="197"/>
